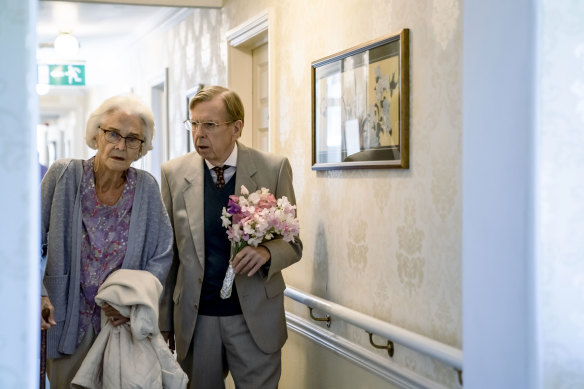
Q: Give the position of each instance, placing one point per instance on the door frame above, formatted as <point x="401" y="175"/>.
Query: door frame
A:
<point x="241" y="41"/>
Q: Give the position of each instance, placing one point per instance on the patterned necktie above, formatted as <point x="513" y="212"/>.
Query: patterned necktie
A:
<point x="220" y="178"/>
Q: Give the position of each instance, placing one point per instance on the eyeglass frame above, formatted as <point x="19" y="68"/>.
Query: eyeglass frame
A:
<point x="120" y="137"/>
<point x="192" y="125"/>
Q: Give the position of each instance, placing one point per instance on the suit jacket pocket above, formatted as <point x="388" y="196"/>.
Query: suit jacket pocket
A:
<point x="275" y="286"/>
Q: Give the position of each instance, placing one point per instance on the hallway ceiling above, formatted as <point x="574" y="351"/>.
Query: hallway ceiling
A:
<point x="96" y="25"/>
<point x="99" y="27"/>
<point x="166" y="3"/>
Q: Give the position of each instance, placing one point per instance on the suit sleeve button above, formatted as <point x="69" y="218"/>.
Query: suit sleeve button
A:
<point x="196" y="306"/>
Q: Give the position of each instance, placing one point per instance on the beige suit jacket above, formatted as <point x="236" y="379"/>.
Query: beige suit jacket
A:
<point x="261" y="297"/>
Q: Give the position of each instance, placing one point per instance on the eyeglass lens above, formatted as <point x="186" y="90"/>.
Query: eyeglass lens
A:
<point x="114" y="137"/>
<point x="206" y="126"/>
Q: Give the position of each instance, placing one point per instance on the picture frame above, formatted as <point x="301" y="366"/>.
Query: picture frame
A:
<point x="360" y="106"/>
<point x="189" y="95"/>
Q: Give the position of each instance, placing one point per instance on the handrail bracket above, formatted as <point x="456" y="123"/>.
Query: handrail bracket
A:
<point x="327" y="318"/>
<point x="459" y="371"/>
<point x="389" y="347"/>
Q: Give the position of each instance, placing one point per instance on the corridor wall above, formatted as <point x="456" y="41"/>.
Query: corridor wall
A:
<point x="384" y="242"/>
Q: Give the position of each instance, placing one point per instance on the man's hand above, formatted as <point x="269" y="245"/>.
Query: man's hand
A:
<point x="249" y="260"/>
<point x="169" y="338"/>
<point x="113" y="315"/>
<point x="47" y="312"/>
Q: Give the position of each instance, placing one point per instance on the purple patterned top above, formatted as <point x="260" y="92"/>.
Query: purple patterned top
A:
<point x="103" y="246"/>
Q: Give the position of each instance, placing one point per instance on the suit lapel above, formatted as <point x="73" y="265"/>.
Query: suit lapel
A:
<point x="194" y="192"/>
<point x="194" y="202"/>
<point x="246" y="169"/>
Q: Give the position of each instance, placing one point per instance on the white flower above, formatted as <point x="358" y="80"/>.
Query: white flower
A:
<point x="254" y="198"/>
<point x="225" y="218"/>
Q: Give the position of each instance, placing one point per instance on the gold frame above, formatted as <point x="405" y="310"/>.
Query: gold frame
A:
<point x="354" y="107"/>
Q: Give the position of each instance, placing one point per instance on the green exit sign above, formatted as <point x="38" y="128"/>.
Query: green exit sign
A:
<point x="61" y="74"/>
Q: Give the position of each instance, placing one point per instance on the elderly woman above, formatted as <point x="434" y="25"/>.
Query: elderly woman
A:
<point x="98" y="215"/>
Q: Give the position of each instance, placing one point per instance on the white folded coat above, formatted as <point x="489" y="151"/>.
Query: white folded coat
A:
<point x="134" y="354"/>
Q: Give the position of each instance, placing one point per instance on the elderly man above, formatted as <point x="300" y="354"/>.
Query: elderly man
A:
<point x="242" y="334"/>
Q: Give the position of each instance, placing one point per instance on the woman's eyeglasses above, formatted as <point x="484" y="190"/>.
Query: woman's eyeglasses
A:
<point x="113" y="137"/>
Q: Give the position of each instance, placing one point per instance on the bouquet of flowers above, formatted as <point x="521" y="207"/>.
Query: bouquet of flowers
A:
<point x="253" y="218"/>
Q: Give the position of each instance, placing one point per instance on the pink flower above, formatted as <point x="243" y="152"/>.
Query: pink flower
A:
<point x="256" y="217"/>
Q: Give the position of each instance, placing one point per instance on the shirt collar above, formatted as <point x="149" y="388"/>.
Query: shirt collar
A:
<point x="231" y="160"/>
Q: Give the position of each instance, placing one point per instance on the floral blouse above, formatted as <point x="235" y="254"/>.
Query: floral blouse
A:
<point x="103" y="247"/>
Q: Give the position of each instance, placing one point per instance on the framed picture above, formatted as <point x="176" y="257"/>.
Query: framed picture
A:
<point x="189" y="95"/>
<point x="360" y="106"/>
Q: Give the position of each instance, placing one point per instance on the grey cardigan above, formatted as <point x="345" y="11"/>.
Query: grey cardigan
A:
<point x="149" y="246"/>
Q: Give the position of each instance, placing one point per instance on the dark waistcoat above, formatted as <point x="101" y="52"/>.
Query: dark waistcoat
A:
<point x="217" y="252"/>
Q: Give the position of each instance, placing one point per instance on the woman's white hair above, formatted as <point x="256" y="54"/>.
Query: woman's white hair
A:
<point x="129" y="104"/>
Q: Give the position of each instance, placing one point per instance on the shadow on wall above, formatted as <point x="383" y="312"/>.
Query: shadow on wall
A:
<point x="320" y="275"/>
<point x="320" y="280"/>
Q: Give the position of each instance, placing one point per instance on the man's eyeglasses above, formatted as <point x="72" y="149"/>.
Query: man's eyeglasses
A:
<point x="113" y="137"/>
<point x="209" y="126"/>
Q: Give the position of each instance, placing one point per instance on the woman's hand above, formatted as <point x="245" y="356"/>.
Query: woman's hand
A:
<point x="47" y="312"/>
<point x="113" y="315"/>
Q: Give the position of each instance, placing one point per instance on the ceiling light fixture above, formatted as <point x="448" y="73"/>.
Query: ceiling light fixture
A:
<point x="66" y="44"/>
<point x="42" y="89"/>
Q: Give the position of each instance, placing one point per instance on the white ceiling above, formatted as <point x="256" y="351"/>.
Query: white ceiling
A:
<point x="96" y="25"/>
<point x="99" y="28"/>
<point x="164" y="3"/>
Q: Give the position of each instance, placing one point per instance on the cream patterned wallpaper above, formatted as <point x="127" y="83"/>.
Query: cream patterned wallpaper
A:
<point x="197" y="55"/>
<point x="383" y="242"/>
<point x="194" y="52"/>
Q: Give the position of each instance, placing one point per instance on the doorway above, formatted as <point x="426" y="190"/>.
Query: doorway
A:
<point x="250" y="75"/>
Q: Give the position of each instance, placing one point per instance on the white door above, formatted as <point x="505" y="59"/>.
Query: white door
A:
<point x="159" y="154"/>
<point x="260" y="99"/>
